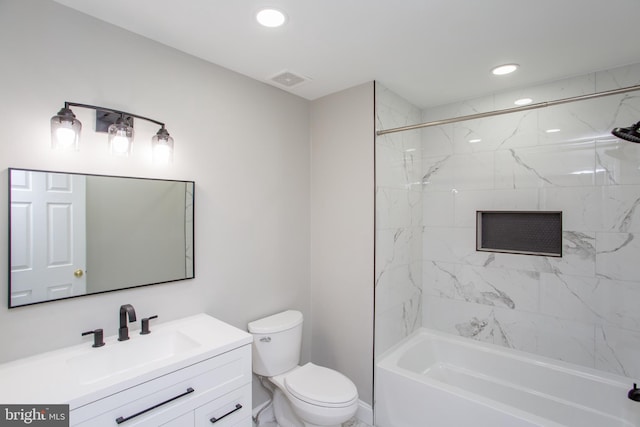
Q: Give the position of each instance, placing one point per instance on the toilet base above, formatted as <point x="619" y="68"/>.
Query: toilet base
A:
<point x="284" y="413"/>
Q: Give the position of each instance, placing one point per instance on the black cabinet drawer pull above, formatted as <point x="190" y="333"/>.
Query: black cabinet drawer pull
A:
<point x="215" y="420"/>
<point x="120" y="420"/>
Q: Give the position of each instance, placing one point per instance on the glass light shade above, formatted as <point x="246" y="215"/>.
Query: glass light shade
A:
<point x="65" y="130"/>
<point x="120" y="138"/>
<point x="162" y="147"/>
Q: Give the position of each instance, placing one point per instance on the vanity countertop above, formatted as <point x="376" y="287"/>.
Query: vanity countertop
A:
<point x="81" y="374"/>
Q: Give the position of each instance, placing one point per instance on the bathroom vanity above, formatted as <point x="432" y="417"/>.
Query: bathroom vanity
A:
<point x="194" y="371"/>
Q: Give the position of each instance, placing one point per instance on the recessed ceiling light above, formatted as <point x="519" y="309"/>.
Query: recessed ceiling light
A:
<point x="474" y="141"/>
<point x="523" y="101"/>
<point x="271" y="18"/>
<point x="552" y="130"/>
<point x="501" y="70"/>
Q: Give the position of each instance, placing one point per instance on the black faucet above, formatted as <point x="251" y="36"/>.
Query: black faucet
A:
<point x="125" y="310"/>
<point x="144" y="330"/>
<point x="98" y="337"/>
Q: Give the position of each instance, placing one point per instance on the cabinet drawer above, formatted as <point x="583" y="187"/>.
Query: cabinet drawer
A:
<point x="184" y="421"/>
<point x="247" y="422"/>
<point x="226" y="411"/>
<point x="164" y="398"/>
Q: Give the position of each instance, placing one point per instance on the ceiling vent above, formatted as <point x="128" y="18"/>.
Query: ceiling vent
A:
<point x="288" y="79"/>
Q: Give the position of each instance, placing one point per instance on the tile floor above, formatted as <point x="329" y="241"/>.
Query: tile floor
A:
<point x="351" y="423"/>
<point x="355" y="423"/>
<point x="268" y="420"/>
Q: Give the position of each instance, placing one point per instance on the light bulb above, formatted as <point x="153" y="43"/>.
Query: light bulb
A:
<point x="162" y="154"/>
<point x="120" y="138"/>
<point x="65" y="130"/>
<point x="271" y="18"/>
<point x="523" y="101"/>
<point x="120" y="143"/>
<point x="504" y="69"/>
<point x="162" y="147"/>
<point x="66" y="137"/>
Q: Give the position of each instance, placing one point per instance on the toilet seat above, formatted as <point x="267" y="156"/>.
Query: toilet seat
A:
<point x="321" y="386"/>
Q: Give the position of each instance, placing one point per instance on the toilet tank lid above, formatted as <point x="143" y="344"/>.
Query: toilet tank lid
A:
<point x="276" y="323"/>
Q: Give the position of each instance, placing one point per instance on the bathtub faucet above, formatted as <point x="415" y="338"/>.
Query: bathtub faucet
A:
<point x="634" y="393"/>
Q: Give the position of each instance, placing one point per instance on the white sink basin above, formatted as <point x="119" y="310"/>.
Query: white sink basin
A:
<point x="108" y="361"/>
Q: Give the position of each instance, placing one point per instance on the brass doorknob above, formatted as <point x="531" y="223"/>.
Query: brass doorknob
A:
<point x="78" y="273"/>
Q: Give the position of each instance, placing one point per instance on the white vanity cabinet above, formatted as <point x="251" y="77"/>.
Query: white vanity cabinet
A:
<point x="214" y="392"/>
<point x="190" y="372"/>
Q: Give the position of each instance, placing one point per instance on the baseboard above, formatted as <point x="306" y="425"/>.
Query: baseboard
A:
<point x="365" y="413"/>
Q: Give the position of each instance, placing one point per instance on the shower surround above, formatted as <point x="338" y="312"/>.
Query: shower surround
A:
<point x="582" y="308"/>
<point x="398" y="258"/>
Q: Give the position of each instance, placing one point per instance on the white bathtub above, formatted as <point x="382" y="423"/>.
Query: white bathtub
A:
<point x="433" y="379"/>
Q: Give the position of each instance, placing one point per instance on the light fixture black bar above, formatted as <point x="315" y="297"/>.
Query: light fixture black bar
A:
<point x="109" y="110"/>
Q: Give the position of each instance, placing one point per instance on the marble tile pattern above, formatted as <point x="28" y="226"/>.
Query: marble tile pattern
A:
<point x="583" y="307"/>
<point x="399" y="194"/>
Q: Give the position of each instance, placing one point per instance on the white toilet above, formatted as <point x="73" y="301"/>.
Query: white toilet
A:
<point x="304" y="396"/>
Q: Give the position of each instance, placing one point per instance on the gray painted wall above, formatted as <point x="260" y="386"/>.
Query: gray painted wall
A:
<point x="244" y="143"/>
<point x="247" y="147"/>
<point x="342" y="208"/>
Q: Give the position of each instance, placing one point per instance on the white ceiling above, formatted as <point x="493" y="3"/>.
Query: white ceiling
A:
<point x="429" y="51"/>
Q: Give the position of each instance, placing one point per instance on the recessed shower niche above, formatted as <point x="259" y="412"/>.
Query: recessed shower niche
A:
<point x="529" y="233"/>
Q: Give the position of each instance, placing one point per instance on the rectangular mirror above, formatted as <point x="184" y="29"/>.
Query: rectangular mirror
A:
<point x="76" y="234"/>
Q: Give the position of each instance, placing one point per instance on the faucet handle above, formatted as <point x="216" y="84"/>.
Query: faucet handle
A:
<point x="98" y="337"/>
<point x="145" y="325"/>
<point x="634" y="393"/>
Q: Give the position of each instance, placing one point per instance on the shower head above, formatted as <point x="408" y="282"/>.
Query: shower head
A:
<point x="628" y="134"/>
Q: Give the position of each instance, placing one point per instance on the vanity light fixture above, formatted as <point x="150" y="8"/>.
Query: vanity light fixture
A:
<point x="65" y="132"/>
<point x="502" y="70"/>
<point x="271" y="18"/>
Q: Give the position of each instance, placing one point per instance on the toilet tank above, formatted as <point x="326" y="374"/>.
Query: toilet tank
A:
<point x="276" y="343"/>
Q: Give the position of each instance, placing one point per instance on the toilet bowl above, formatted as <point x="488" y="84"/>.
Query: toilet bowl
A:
<point x="303" y="396"/>
<point x="316" y="396"/>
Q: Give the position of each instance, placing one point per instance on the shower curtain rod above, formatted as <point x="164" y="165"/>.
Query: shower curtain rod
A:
<point x="510" y="110"/>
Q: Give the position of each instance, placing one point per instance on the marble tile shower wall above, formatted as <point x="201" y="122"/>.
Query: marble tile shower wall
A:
<point x="582" y="308"/>
<point x="398" y="222"/>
